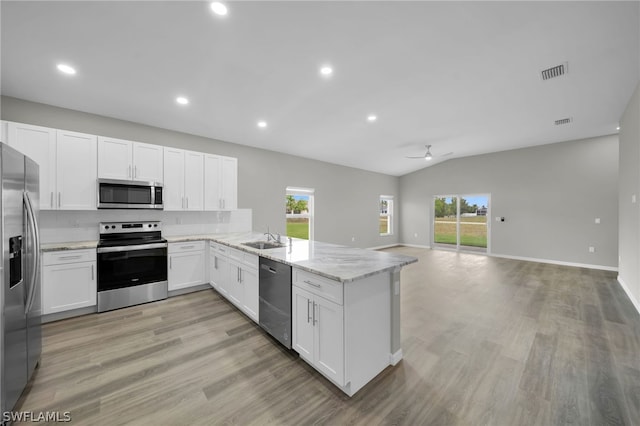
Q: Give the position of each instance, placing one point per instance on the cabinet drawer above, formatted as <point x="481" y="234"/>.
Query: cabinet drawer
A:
<point x="220" y="248"/>
<point x="68" y="256"/>
<point x="186" y="246"/>
<point x="321" y="286"/>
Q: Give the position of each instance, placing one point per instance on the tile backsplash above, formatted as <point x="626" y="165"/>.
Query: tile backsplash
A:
<point x="67" y="226"/>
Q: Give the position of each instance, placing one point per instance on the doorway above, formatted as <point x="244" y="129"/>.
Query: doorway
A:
<point x="460" y="222"/>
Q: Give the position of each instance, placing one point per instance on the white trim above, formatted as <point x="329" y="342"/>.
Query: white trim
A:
<point x="396" y="357"/>
<point x="555" y="262"/>
<point x="413" y="245"/>
<point x="383" y="247"/>
<point x="635" y="302"/>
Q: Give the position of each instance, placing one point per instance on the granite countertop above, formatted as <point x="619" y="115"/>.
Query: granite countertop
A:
<point x="76" y="245"/>
<point x="336" y="262"/>
<point x="340" y="263"/>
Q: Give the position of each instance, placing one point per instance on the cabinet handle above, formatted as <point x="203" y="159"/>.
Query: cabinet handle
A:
<point x="170" y="262"/>
<point x="308" y="312"/>
<point x="314" y="313"/>
<point x="187" y="247"/>
<point x="312" y="283"/>
<point x="187" y="203"/>
<point x="70" y="257"/>
<point x="135" y="171"/>
<point x="92" y="273"/>
<point x="52" y="205"/>
<point x="238" y="278"/>
<point x="59" y="199"/>
<point x="215" y="262"/>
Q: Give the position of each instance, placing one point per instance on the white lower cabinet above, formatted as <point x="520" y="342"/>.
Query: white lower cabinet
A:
<point x="234" y="274"/>
<point x="186" y="264"/>
<point x="69" y="280"/>
<point x="318" y="332"/>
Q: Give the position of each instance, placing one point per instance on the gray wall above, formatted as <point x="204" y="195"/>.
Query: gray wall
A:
<point x="346" y="199"/>
<point x="549" y="195"/>
<point x="629" y="235"/>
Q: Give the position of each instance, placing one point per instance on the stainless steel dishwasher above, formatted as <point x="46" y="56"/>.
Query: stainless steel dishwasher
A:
<point x="275" y="300"/>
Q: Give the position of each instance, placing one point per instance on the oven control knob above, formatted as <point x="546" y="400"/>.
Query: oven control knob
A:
<point x="155" y="225"/>
<point x="149" y="225"/>
<point x="113" y="227"/>
<point x="106" y="227"/>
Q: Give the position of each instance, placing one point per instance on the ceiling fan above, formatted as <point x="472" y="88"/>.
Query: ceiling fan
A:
<point x="427" y="155"/>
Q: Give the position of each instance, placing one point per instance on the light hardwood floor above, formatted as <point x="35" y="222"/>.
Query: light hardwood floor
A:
<point x="485" y="341"/>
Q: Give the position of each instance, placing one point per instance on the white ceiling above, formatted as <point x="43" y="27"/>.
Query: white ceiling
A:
<point x="461" y="76"/>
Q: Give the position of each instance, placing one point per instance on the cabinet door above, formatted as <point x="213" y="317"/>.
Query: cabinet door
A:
<point x="222" y="275"/>
<point x="147" y="162"/>
<point x="235" y="284"/>
<point x="114" y="158"/>
<point x="68" y="286"/>
<point x="212" y="184"/>
<point x="229" y="180"/>
<point x="250" y="296"/>
<point x="302" y="318"/>
<point x="194" y="180"/>
<point x="173" y="193"/>
<point x="38" y="143"/>
<point x="329" y="339"/>
<point x="77" y="170"/>
<point x="186" y="269"/>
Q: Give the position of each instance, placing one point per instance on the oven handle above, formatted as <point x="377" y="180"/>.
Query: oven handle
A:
<point x="131" y="248"/>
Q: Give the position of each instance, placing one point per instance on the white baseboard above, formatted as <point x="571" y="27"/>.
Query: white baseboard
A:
<point x="383" y="247"/>
<point x="557" y="262"/>
<point x="414" y="245"/>
<point x="396" y="357"/>
<point x="626" y="289"/>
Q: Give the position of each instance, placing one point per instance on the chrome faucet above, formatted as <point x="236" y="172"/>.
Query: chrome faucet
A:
<point x="271" y="237"/>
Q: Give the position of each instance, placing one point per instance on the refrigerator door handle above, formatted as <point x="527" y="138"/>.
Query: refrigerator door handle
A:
<point x="36" y="250"/>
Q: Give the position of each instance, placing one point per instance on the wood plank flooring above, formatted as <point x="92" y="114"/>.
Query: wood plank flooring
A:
<point x="486" y="341"/>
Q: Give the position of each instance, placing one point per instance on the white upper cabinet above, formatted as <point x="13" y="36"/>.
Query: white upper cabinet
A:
<point x="173" y="194"/>
<point x="194" y="180"/>
<point x="122" y="159"/>
<point x="220" y="182"/>
<point x="77" y="170"/>
<point x="38" y="143"/>
<point x="147" y="162"/>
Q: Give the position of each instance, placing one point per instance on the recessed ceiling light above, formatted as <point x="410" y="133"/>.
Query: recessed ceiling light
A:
<point x="262" y="124"/>
<point x="618" y="128"/>
<point x="182" y="100"/>
<point x="372" y="118"/>
<point x="326" y="70"/>
<point x="219" y="8"/>
<point x="67" y="69"/>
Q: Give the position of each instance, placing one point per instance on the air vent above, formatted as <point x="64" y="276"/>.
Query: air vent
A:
<point x="563" y="121"/>
<point x="556" y="71"/>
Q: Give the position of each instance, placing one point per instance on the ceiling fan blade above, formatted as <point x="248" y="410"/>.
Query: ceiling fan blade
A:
<point x="416" y="158"/>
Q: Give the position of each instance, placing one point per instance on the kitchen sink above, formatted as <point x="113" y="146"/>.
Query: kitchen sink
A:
<point x="263" y="245"/>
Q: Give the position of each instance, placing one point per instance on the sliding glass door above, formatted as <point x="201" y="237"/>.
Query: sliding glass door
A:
<point x="460" y="222"/>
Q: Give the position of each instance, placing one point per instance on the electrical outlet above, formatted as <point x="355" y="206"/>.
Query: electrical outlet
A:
<point x="497" y="218"/>
<point x="353" y="239"/>
<point x="633" y="198"/>
<point x="597" y="220"/>
<point x="592" y="249"/>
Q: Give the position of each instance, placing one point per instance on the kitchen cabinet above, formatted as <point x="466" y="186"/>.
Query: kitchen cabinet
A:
<point x="220" y="182"/>
<point x="186" y="264"/>
<point x="38" y="143"/>
<point x="194" y="180"/>
<point x="318" y="332"/>
<point x="69" y="280"/>
<point x="127" y="160"/>
<point x="234" y="274"/>
<point x="184" y="179"/>
<point x="76" y="170"/>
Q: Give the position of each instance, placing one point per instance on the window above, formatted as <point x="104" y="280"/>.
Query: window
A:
<point x="299" y="211"/>
<point x="386" y="215"/>
<point x="460" y="222"/>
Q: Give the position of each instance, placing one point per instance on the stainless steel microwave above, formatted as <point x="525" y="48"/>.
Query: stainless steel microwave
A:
<point x="126" y="194"/>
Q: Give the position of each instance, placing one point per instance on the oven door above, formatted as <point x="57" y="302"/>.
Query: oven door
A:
<point x="127" y="266"/>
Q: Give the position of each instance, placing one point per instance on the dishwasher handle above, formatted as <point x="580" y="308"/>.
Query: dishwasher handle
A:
<point x="268" y="268"/>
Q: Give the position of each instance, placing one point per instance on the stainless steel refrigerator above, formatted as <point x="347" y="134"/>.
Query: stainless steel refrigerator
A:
<point x="20" y="299"/>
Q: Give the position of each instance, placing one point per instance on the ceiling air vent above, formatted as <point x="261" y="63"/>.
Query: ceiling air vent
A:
<point x="556" y="71"/>
<point x="563" y="121"/>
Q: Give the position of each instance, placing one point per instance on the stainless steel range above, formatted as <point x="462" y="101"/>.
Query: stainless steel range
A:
<point x="132" y="264"/>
